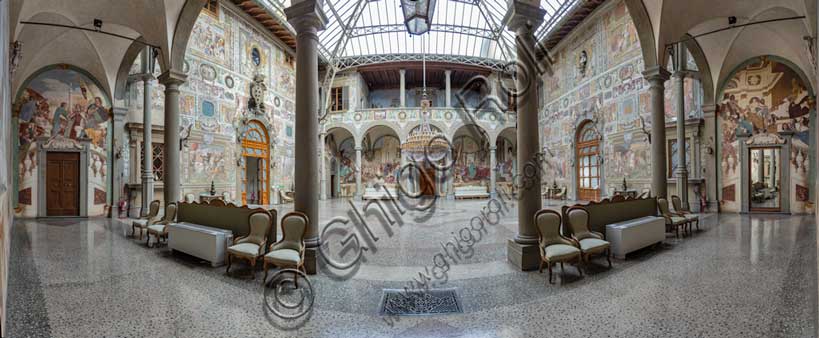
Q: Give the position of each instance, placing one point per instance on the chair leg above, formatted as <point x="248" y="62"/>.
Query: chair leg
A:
<point x="148" y="240"/>
<point x="550" y="272"/>
<point x="253" y="268"/>
<point x="579" y="261"/>
<point x="541" y="267"/>
<point x="608" y="256"/>
<point x="227" y="269"/>
<point x="264" y="266"/>
<point x="561" y="267"/>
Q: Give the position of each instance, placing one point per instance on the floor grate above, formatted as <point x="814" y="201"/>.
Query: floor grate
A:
<point x="420" y="302"/>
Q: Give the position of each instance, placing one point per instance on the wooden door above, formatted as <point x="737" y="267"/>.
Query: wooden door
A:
<point x="63" y="184"/>
<point x="427" y="180"/>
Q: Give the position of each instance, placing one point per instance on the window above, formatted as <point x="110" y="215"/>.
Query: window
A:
<point x="588" y="162"/>
<point x="158" y="151"/>
<point x="337" y="99"/>
<point x="212" y="7"/>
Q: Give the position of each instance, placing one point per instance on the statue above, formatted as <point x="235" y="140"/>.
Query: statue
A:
<point x="258" y="89"/>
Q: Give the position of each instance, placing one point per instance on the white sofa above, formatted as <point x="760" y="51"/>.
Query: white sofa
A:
<point x="471" y="191"/>
<point x="379" y="193"/>
<point x="634" y="234"/>
<point x="200" y="241"/>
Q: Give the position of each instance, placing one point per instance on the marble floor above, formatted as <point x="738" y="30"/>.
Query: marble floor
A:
<point x="741" y="276"/>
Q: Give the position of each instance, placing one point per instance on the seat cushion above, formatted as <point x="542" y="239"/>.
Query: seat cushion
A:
<point x="283" y="257"/>
<point x="691" y="217"/>
<point x="560" y="252"/>
<point x="158" y="228"/>
<point x="678" y="220"/>
<point x="244" y="249"/>
<point x="140" y="222"/>
<point x="593" y="245"/>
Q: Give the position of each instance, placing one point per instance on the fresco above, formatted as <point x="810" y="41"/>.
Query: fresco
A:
<point x="766" y="96"/>
<point x="471" y="161"/>
<point x="381" y="161"/>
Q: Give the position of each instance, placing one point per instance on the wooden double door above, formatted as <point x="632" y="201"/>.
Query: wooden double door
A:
<point x="63" y="184"/>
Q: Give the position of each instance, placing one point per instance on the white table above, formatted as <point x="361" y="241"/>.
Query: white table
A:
<point x="634" y="234"/>
<point x="200" y="241"/>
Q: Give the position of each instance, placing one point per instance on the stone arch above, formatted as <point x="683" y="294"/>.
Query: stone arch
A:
<point x="645" y="31"/>
<point x="121" y="82"/>
<point x="435" y="124"/>
<point x="703" y="68"/>
<point x="181" y="35"/>
<point x="724" y="81"/>
<point x="386" y="124"/>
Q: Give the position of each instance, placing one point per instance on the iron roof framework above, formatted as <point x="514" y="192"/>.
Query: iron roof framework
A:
<point x="473" y="32"/>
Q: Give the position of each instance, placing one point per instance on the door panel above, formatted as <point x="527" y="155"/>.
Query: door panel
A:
<point x="62" y="184"/>
<point x="427" y="181"/>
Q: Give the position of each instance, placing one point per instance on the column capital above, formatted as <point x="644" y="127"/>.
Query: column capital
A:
<point x="119" y="111"/>
<point x="493" y="148"/>
<point x="656" y="74"/>
<point x="306" y="15"/>
<point x="172" y="77"/>
<point x="358" y="148"/>
<point x="708" y="110"/>
<point x="448" y="72"/>
<point x="524" y="14"/>
<point x="402" y="71"/>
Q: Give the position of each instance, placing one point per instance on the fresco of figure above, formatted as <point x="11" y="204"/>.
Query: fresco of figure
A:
<point x="60" y="114"/>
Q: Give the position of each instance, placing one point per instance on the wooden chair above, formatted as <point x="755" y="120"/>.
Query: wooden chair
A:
<point x="252" y="246"/>
<point x="591" y="243"/>
<point x="289" y="251"/>
<point x="672" y="221"/>
<point x="151" y="218"/>
<point x="554" y="247"/>
<point x="684" y="212"/>
<point x="160" y="228"/>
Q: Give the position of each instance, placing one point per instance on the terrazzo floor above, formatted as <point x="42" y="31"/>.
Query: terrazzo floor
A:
<point x="741" y="276"/>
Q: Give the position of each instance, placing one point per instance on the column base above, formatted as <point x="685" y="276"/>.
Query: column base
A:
<point x="310" y="259"/>
<point x="450" y="197"/>
<point x="525" y="257"/>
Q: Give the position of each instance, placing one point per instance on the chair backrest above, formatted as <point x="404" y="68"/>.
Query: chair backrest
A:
<point x="217" y="202"/>
<point x="226" y="197"/>
<point x="578" y="221"/>
<point x="547" y="223"/>
<point x="190" y="198"/>
<point x="618" y="198"/>
<point x="170" y="213"/>
<point x="662" y="204"/>
<point x="259" y="228"/>
<point x="153" y="209"/>
<point x="677" y="203"/>
<point x="294" y="225"/>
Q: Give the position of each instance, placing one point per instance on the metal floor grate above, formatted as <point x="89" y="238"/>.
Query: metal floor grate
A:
<point x="420" y="302"/>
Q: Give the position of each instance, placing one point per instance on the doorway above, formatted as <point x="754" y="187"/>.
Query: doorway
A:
<point x="252" y="185"/>
<point x="427" y="180"/>
<point x="62" y="184"/>
<point x="764" y="179"/>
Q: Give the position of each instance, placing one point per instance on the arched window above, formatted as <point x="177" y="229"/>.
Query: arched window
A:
<point x="588" y="162"/>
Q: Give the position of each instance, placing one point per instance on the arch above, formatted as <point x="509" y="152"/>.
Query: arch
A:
<point x="182" y="33"/>
<point x="588" y="161"/>
<point x="471" y="155"/>
<point x="706" y="80"/>
<point x="501" y="132"/>
<point x="367" y="128"/>
<point x="645" y="31"/>
<point x="121" y="82"/>
<point x="255" y="143"/>
<point x="730" y="75"/>
<point x="436" y="125"/>
<point x="82" y="71"/>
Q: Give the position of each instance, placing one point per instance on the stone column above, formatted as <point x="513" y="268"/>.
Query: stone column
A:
<point x="323" y="165"/>
<point x="448" y="81"/>
<point x="307" y="18"/>
<point x="493" y="171"/>
<point x="172" y="79"/>
<point x="147" y="141"/>
<point x="712" y="161"/>
<point x="681" y="171"/>
<point x="359" y="191"/>
<point x="403" y="87"/>
<point x="656" y="77"/>
<point x="118" y="175"/>
<point x="450" y="177"/>
<point x="523" y="19"/>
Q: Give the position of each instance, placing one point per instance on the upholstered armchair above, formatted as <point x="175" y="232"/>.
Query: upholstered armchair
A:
<point x="190" y="198"/>
<point x="684" y="212"/>
<point x="672" y="221"/>
<point x="591" y="242"/>
<point x="151" y="218"/>
<point x="286" y="196"/>
<point x="252" y="246"/>
<point x="160" y="228"/>
<point x="554" y="248"/>
<point x="226" y="197"/>
<point x="289" y="251"/>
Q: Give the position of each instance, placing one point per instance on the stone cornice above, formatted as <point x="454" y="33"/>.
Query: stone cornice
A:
<point x="172" y="77"/>
<point x="656" y="73"/>
<point x="306" y="15"/>
<point x="522" y="14"/>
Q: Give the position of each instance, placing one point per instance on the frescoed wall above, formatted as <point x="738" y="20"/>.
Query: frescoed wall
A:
<point x="62" y="105"/>
<point x="766" y="95"/>
<point x="224" y="55"/>
<point x="608" y="88"/>
<point x="471" y="161"/>
<point x="381" y="161"/>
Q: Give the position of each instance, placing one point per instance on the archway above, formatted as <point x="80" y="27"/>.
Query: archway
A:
<point x="471" y="155"/>
<point x="255" y="170"/>
<point x="587" y="155"/>
<point x="380" y="158"/>
<point x="339" y="145"/>
<point x="506" y="158"/>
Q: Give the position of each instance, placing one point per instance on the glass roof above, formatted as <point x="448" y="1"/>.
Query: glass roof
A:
<point x="470" y="28"/>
